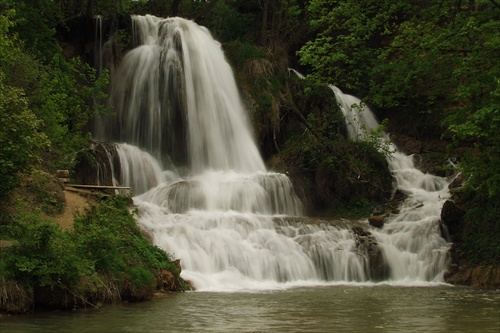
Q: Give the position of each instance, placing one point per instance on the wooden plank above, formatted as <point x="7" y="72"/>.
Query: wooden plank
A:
<point x="85" y="192"/>
<point x="99" y="187"/>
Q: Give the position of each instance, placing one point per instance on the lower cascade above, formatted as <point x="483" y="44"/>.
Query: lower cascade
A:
<point x="185" y="147"/>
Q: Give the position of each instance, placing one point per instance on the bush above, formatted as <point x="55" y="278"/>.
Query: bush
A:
<point x="43" y="254"/>
<point x="480" y="235"/>
<point x="239" y="52"/>
<point x="104" y="259"/>
<point x="21" y="142"/>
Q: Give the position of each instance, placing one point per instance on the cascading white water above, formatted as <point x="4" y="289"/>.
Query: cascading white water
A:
<point x="175" y="96"/>
<point x="201" y="186"/>
<point x="411" y="240"/>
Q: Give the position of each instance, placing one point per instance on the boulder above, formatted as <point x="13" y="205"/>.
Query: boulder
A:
<point x="360" y="232"/>
<point x="367" y="246"/>
<point x="457" y="182"/>
<point x="62" y="174"/>
<point x="177" y="263"/>
<point x="376" y="221"/>
<point x="481" y="276"/>
<point x="167" y="281"/>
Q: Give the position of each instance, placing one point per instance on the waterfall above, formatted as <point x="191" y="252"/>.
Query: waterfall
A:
<point x="410" y="240"/>
<point x="175" y="96"/>
<point x="201" y="187"/>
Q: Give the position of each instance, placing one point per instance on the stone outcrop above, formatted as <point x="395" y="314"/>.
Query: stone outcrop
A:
<point x="462" y="272"/>
<point x="481" y="276"/>
<point x="367" y="245"/>
<point x="98" y="165"/>
<point x="376" y="221"/>
<point x="167" y="281"/>
<point x="170" y="280"/>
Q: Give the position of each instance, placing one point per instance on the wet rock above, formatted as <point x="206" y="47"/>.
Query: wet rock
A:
<point x="367" y="246"/>
<point x="97" y="165"/>
<point x="482" y="276"/>
<point x="376" y="221"/>
<point x="360" y="232"/>
<point x="452" y="215"/>
<point x="167" y="281"/>
<point x="461" y="271"/>
<point x="177" y="263"/>
<point x="399" y="195"/>
<point x="408" y="144"/>
<point x="379" y="269"/>
<point x="457" y="182"/>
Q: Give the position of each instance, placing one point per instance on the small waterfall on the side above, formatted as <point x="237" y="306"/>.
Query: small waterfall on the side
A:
<point x="202" y="190"/>
<point x="411" y="240"/>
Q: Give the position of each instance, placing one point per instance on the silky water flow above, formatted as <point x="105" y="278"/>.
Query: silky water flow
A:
<point x="203" y="192"/>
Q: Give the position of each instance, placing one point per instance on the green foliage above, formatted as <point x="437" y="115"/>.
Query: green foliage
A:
<point x="433" y="65"/>
<point x="21" y="141"/>
<point x="378" y="139"/>
<point x="109" y="237"/>
<point x="347" y="176"/>
<point x="42" y="190"/>
<point x="351" y="35"/>
<point x="355" y="209"/>
<point x="481" y="124"/>
<point x="411" y="59"/>
<point x="105" y="245"/>
<point x="89" y="8"/>
<point x="35" y="23"/>
<point x="481" y="231"/>
<point x="60" y="93"/>
<point x="230" y="20"/>
<point x="67" y="91"/>
<point x="43" y="254"/>
<point x="239" y="52"/>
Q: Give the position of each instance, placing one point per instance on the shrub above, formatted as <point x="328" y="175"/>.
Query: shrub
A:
<point x="21" y="142"/>
<point x="105" y="258"/>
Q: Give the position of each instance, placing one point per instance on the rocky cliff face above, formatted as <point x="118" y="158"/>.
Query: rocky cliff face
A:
<point x="462" y="271"/>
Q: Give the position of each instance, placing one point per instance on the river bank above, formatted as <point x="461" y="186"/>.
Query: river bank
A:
<point x="88" y="253"/>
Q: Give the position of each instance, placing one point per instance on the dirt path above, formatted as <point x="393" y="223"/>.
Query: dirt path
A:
<point x="75" y="203"/>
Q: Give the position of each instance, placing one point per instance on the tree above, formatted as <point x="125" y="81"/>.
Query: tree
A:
<point x="59" y="92"/>
<point x="435" y="66"/>
<point x="21" y="142"/>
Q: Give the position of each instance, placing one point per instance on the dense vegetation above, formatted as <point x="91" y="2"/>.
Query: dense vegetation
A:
<point x="104" y="259"/>
<point x="430" y="67"/>
<point x="46" y="102"/>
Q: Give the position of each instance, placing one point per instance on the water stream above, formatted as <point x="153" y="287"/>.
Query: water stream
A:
<point x="341" y="308"/>
<point x="205" y="196"/>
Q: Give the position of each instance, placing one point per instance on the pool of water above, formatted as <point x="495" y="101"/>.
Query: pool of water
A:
<point x="332" y="308"/>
